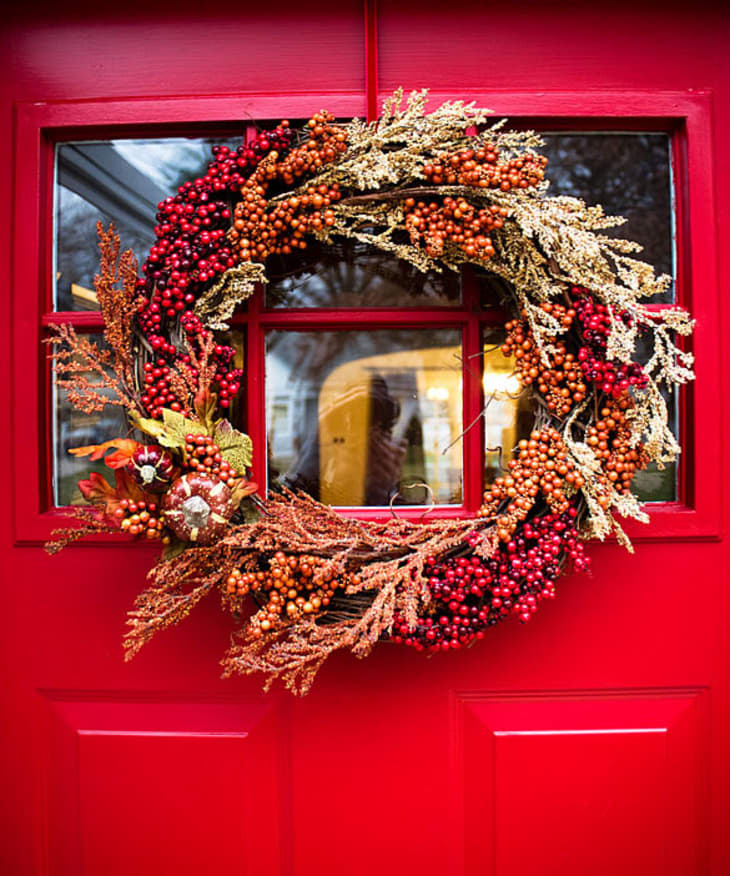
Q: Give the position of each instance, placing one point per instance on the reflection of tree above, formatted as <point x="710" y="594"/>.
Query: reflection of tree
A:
<point x="628" y="174"/>
<point x="352" y="274"/>
<point x="77" y="246"/>
<point x="167" y="163"/>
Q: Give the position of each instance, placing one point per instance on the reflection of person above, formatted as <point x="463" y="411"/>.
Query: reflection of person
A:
<point x="385" y="453"/>
<point x="362" y="458"/>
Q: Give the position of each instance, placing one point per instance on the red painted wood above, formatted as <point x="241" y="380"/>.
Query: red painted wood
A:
<point x="256" y="388"/>
<point x="595" y="759"/>
<point x="371" y="58"/>
<point x="526" y="754"/>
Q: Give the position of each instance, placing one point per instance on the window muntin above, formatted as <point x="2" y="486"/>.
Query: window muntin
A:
<point x="405" y="300"/>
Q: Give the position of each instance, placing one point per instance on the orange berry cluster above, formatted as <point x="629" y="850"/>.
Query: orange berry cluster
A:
<point x="204" y="455"/>
<point x="140" y="518"/>
<point x="326" y="142"/>
<point x="259" y="228"/>
<point x="480" y="167"/>
<point x="541" y="468"/>
<point x="290" y="588"/>
<point x="455" y="221"/>
<point x="609" y="439"/>
<point x="561" y="384"/>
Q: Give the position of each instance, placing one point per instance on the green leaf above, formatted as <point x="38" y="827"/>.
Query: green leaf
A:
<point x="235" y="447"/>
<point x="240" y="456"/>
<point x="172" y="430"/>
<point x="177" y="426"/>
<point x="154" y="428"/>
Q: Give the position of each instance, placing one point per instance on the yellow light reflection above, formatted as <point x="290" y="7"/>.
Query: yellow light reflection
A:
<point x="360" y="457"/>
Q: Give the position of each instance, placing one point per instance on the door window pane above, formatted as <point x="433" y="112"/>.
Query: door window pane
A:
<point x="72" y="428"/>
<point x="360" y="418"/>
<point x="630" y="175"/>
<point x="121" y="181"/>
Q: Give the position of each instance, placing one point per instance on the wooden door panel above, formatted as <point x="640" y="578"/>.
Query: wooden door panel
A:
<point x="582" y="744"/>
<point x="599" y="782"/>
<point x="146" y="784"/>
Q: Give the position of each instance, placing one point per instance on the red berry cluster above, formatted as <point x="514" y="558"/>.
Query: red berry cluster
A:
<point x="470" y="594"/>
<point x="231" y="167"/>
<point x="157" y="392"/>
<point x="192" y="251"/>
<point x="204" y="455"/>
<point x="453" y="221"/>
<point x="613" y="378"/>
<point x="480" y="167"/>
<point x="140" y="518"/>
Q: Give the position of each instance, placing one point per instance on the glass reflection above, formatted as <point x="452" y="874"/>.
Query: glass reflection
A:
<point x="366" y="418"/>
<point x="352" y="274"/>
<point x="629" y="174"/>
<point x="72" y="428"/>
<point x="120" y="181"/>
<point x="508" y="414"/>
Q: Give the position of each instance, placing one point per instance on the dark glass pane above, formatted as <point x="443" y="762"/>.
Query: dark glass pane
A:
<point x="354" y="418"/>
<point x="121" y="181"/>
<point x="629" y="175"/>
<point x="72" y="428"/>
<point x="351" y="274"/>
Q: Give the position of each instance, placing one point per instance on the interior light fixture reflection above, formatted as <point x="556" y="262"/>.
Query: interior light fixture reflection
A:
<point x="500" y="383"/>
<point x="437" y="393"/>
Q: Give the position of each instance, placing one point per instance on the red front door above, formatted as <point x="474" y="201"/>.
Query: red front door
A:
<point x="590" y="741"/>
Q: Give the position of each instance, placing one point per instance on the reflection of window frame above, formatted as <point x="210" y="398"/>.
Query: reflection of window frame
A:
<point x="685" y="116"/>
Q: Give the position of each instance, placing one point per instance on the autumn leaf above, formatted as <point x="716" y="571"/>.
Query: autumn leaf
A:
<point x="241" y="489"/>
<point x="171" y="431"/>
<point x="177" y="426"/>
<point x="96" y="490"/>
<point x="235" y="447"/>
<point x="154" y="428"/>
<point x="107" y="498"/>
<point x="205" y="404"/>
<point x="125" y="447"/>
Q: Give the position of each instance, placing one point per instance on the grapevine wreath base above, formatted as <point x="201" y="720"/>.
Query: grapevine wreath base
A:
<point x="437" y="190"/>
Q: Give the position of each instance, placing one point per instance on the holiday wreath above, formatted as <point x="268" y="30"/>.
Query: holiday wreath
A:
<point x="437" y="190"/>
